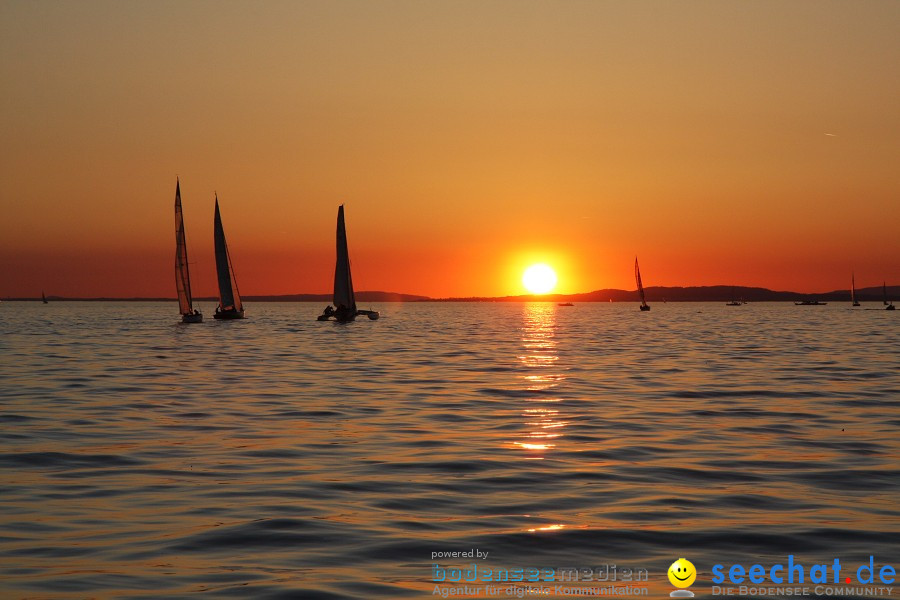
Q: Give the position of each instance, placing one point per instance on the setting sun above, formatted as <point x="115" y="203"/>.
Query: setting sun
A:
<point x="539" y="279"/>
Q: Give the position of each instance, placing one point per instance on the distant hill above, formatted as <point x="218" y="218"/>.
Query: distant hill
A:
<point x="713" y="293"/>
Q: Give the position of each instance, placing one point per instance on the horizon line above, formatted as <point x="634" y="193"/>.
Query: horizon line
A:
<point x="421" y="297"/>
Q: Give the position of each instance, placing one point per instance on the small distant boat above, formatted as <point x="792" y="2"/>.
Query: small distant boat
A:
<point x="44" y="298"/>
<point x="733" y="301"/>
<point x="344" y="309"/>
<point x="565" y="304"/>
<point x="640" y="285"/>
<point x="810" y="303"/>
<point x="853" y="290"/>
<point x="182" y="276"/>
<point x="230" y="306"/>
<point x="888" y="305"/>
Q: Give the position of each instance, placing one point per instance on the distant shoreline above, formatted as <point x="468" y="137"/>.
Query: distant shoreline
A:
<point x="717" y="293"/>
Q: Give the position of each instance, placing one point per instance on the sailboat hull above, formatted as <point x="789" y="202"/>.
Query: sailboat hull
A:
<point x="372" y="314"/>
<point x="192" y="318"/>
<point x="644" y="308"/>
<point x="227" y="315"/>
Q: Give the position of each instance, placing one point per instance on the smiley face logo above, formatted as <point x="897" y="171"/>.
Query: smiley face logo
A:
<point x="682" y="573"/>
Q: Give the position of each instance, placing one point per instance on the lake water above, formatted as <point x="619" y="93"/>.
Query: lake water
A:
<point x="280" y="457"/>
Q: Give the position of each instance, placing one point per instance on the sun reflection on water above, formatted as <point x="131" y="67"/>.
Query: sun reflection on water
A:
<point x="543" y="421"/>
<point x="554" y="527"/>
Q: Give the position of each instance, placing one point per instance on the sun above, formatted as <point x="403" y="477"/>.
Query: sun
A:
<point x="539" y="279"/>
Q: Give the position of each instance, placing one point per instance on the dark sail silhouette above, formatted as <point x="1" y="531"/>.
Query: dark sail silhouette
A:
<point x="887" y="305"/>
<point x="344" y="300"/>
<point x="853" y="299"/>
<point x="44" y="298"/>
<point x="182" y="276"/>
<point x="640" y="285"/>
<point x="230" y="306"/>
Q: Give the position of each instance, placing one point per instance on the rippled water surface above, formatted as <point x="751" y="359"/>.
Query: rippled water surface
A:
<point x="279" y="457"/>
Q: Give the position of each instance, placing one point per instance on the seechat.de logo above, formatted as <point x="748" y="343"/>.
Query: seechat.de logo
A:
<point x="794" y="572"/>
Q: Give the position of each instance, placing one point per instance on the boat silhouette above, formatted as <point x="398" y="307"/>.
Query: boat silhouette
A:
<point x="182" y="275"/>
<point x="344" y="300"/>
<point x="230" y="306"/>
<point x="640" y="285"/>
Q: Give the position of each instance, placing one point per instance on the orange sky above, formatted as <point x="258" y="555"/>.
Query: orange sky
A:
<point x="745" y="143"/>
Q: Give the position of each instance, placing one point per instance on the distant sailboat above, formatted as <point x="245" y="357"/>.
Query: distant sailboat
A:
<point x="853" y="290"/>
<point x="640" y="285"/>
<point x="887" y="305"/>
<point x="733" y="301"/>
<point x="44" y="298"/>
<point x="230" y="306"/>
<point x="182" y="276"/>
<point x="344" y="300"/>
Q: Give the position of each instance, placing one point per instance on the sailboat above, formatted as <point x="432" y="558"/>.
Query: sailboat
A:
<point x="344" y="309"/>
<point x="230" y="306"/>
<point x="640" y="286"/>
<point x="853" y="290"/>
<point x="182" y="276"/>
<point x="887" y="305"/>
<point x="733" y="301"/>
<point x="44" y="298"/>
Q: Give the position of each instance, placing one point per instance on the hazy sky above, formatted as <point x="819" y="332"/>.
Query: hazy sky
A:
<point x="747" y="143"/>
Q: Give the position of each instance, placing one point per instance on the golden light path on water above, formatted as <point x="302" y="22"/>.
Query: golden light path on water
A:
<point x="541" y="359"/>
